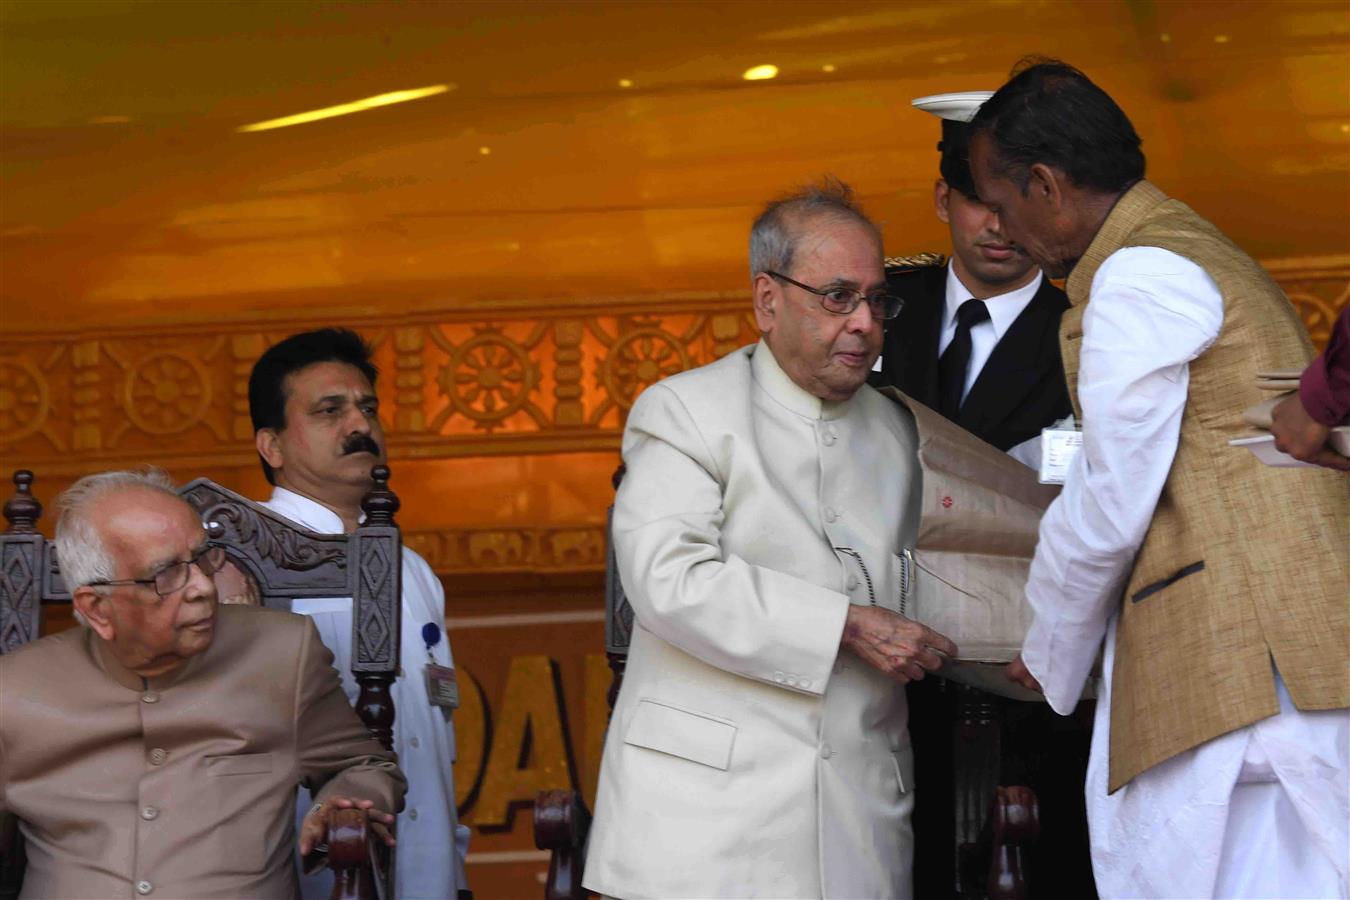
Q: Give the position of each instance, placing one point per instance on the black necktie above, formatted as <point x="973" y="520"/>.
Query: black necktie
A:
<point x="956" y="359"/>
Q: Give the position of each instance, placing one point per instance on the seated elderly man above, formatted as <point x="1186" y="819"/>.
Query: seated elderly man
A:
<point x="156" y="751"/>
<point x="758" y="746"/>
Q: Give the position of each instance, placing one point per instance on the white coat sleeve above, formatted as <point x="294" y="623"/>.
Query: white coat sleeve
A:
<point x="1151" y="313"/>
<point x="461" y="831"/>
<point x="742" y="618"/>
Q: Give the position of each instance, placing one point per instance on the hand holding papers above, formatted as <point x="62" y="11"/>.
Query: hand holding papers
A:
<point x="1290" y="438"/>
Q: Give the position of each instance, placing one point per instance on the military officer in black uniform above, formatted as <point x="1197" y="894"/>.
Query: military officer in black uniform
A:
<point x="978" y="338"/>
<point x="978" y="341"/>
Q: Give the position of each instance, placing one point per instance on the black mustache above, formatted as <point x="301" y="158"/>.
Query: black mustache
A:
<point x="357" y="443"/>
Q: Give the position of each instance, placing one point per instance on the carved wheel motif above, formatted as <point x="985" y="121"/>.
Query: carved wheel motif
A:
<point x="1318" y="313"/>
<point x="23" y="400"/>
<point x="166" y="392"/>
<point x="488" y="377"/>
<point x="638" y="359"/>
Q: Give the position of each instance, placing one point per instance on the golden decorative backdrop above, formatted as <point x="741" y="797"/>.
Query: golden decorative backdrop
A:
<point x="513" y="379"/>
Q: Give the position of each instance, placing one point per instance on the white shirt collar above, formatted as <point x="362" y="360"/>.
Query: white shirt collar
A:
<point x="1003" y="308"/>
<point x="310" y="513"/>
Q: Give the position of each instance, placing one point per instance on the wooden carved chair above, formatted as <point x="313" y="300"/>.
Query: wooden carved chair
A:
<point x="994" y="826"/>
<point x="284" y="561"/>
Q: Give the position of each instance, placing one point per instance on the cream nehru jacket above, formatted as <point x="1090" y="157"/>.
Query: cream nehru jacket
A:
<point x="747" y="755"/>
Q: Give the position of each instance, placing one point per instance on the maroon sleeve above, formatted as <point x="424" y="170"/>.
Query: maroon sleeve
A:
<point x="1324" y="388"/>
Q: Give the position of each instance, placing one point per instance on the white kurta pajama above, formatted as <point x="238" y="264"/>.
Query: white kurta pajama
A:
<point x="748" y="756"/>
<point x="1263" y="811"/>
<point x="431" y="843"/>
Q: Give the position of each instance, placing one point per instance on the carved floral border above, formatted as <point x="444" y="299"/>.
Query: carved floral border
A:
<point x="508" y="379"/>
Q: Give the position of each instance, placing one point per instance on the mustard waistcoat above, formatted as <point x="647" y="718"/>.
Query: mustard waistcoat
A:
<point x="1242" y="562"/>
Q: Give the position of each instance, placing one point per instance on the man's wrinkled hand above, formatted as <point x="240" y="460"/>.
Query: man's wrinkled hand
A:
<point x="1017" y="671"/>
<point x="314" y="829"/>
<point x="893" y="644"/>
<point x="1303" y="437"/>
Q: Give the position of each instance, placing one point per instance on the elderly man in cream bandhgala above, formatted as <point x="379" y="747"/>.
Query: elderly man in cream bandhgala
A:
<point x="759" y="747"/>
<point x="155" y="752"/>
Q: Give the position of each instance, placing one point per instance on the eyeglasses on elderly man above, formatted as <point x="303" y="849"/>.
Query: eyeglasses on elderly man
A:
<point x="843" y="301"/>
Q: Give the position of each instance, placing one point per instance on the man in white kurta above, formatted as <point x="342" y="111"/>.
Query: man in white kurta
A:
<point x="758" y="747"/>
<point x="1191" y="826"/>
<point x="312" y="399"/>
<point x="1261" y="810"/>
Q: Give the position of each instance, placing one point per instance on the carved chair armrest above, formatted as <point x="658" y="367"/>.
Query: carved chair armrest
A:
<point x="561" y="825"/>
<point x="359" y="860"/>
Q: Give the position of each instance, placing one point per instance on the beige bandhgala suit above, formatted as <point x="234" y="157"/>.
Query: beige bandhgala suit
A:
<point x="182" y="786"/>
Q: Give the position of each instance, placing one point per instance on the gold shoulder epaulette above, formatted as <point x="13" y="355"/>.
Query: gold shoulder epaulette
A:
<point x="896" y="264"/>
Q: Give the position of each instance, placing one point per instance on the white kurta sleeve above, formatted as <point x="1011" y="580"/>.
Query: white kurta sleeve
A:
<point x="743" y="618"/>
<point x="1151" y="313"/>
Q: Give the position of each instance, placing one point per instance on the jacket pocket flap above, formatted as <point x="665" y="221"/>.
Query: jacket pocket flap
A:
<point x="688" y="735"/>
<point x="1172" y="578"/>
<point x="242" y="764"/>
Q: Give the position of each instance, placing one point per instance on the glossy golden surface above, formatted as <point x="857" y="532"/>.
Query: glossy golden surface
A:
<point x="149" y="250"/>
<point x="128" y="194"/>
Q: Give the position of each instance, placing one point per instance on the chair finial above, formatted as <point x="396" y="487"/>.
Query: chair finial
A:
<point x="23" y="509"/>
<point x="380" y="503"/>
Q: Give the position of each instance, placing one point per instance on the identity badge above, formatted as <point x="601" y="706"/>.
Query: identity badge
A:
<point x="1059" y="446"/>
<point x="442" y="688"/>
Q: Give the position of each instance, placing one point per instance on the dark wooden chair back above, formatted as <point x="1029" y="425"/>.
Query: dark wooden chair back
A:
<point x="284" y="560"/>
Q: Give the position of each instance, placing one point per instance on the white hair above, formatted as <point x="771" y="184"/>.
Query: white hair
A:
<point x="782" y="224"/>
<point x="79" y="545"/>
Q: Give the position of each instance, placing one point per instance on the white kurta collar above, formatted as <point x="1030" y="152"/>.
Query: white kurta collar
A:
<point x="780" y="386"/>
<point x="310" y="513"/>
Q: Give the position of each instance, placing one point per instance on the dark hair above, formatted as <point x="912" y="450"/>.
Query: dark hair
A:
<point x="267" y="382"/>
<point x="1051" y="113"/>
<point x="777" y="230"/>
<point x="954" y="166"/>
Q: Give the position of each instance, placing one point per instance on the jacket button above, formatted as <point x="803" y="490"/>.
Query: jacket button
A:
<point x="412" y="814"/>
<point x="829" y="438"/>
<point x="149" y="697"/>
<point x="144" y="887"/>
<point x="825" y="751"/>
<point x="158" y="755"/>
<point x="852" y="583"/>
<point x="150" y="813"/>
<point x="414" y="743"/>
<point x="831" y="514"/>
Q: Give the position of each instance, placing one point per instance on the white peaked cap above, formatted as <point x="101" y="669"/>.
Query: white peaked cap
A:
<point x="958" y="107"/>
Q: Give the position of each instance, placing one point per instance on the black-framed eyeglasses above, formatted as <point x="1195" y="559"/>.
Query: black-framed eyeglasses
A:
<point x="174" y="576"/>
<point x="843" y="301"/>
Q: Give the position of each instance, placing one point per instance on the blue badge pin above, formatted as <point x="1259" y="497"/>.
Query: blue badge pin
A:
<point x="431" y="634"/>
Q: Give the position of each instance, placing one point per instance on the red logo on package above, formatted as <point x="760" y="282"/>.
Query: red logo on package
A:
<point x="946" y="502"/>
